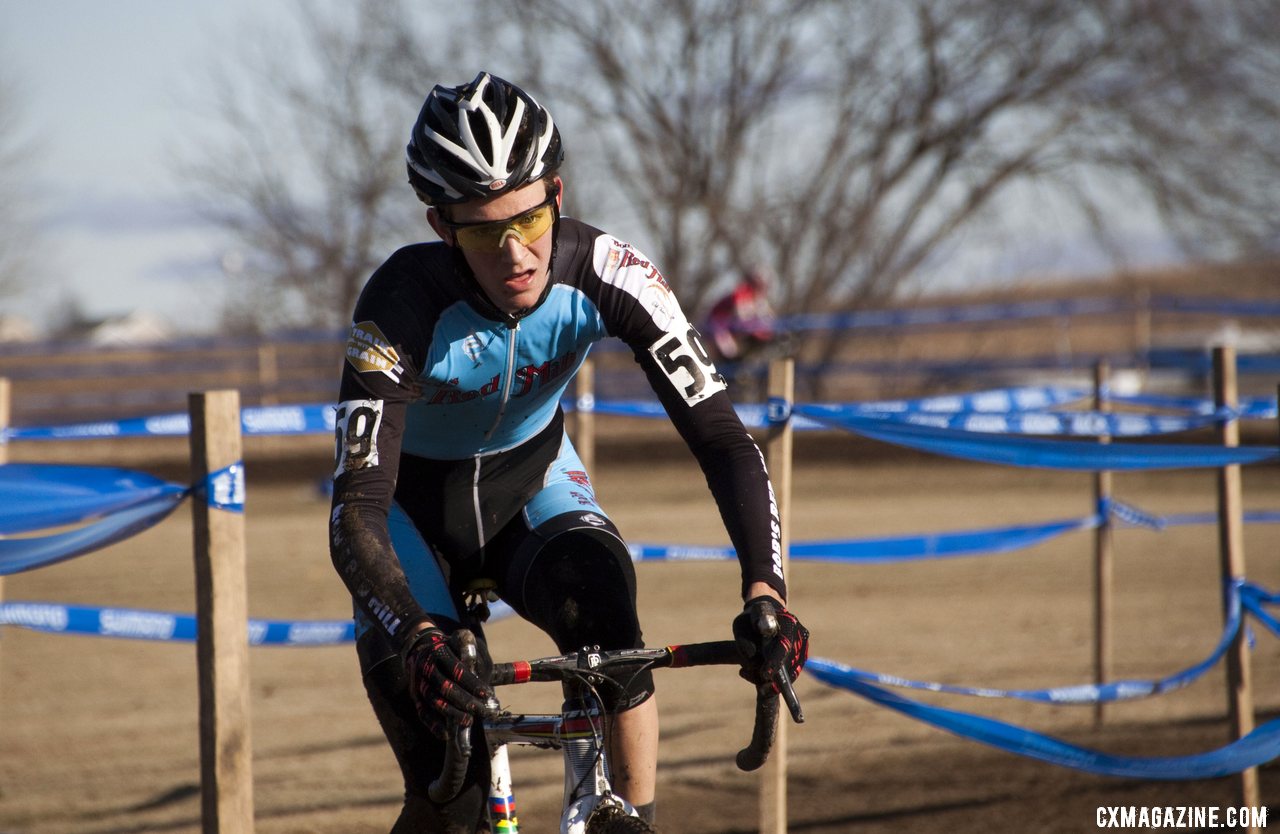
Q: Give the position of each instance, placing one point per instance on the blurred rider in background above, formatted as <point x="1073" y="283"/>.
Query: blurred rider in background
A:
<point x="743" y="322"/>
<point x="455" y="482"/>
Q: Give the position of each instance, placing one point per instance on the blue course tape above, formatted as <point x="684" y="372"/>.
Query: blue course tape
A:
<point x="1072" y="423"/>
<point x="37" y="496"/>
<point x="23" y="554"/>
<point x="944" y="544"/>
<point x="224" y="489"/>
<point x="138" y="624"/>
<point x="1131" y="515"/>
<point x="997" y="401"/>
<point x="1036" y="452"/>
<point x="259" y="420"/>
<point x="1257" y="748"/>
<point x="887" y="548"/>
<point x="164" y="626"/>
<point x="1254" y="597"/>
<point x="938" y="545"/>
<point x="1249" y="408"/>
<point x="970" y="412"/>
<point x="1089" y="693"/>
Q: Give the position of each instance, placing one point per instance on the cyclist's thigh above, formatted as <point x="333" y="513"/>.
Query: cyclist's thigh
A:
<point x="426" y="581"/>
<point x="567" y="569"/>
<point x="420" y="565"/>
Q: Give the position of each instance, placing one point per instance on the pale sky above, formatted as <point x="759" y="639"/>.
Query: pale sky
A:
<point x="99" y="87"/>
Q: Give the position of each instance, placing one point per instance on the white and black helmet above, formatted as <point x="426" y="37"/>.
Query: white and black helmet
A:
<point x="480" y="140"/>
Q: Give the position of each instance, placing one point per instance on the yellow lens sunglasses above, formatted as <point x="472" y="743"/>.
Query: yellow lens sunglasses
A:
<point x="492" y="235"/>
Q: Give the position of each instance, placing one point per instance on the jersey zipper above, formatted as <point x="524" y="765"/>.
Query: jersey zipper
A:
<point x="507" y="378"/>
<point x="513" y="331"/>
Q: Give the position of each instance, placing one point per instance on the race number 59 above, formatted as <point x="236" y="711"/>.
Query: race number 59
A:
<point x="684" y="360"/>
<point x="356" y="426"/>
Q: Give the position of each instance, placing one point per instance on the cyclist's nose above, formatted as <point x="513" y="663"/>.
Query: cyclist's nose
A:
<point x="513" y="247"/>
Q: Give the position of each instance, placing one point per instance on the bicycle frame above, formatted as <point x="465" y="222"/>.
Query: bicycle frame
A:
<point x="579" y="732"/>
<point x="578" y="735"/>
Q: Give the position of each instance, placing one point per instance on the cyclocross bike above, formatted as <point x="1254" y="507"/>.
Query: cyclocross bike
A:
<point x="590" y="806"/>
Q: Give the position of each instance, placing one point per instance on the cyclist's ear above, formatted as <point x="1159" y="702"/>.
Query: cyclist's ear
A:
<point x="434" y="219"/>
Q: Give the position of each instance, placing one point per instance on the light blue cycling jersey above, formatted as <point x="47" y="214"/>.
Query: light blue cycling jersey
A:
<point x="488" y="386"/>
<point x="449" y="408"/>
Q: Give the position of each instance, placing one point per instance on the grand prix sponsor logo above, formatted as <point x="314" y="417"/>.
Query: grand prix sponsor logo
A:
<point x="369" y="351"/>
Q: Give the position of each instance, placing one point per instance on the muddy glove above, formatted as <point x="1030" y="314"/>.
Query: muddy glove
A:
<point x="768" y="635"/>
<point x="442" y="686"/>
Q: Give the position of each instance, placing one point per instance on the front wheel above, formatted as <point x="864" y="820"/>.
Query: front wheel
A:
<point x="610" y="819"/>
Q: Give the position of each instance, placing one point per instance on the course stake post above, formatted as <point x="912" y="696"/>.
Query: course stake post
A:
<point x="1102" y="547"/>
<point x="5" y="411"/>
<point x="778" y="454"/>
<point x="222" y="646"/>
<point x="584" y="416"/>
<point x="1231" y="551"/>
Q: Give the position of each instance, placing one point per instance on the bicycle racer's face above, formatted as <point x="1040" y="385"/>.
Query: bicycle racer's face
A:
<point x="513" y="271"/>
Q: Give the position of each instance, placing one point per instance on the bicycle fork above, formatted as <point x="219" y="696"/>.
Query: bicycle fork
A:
<point x="586" y="776"/>
<point x="502" y="801"/>
<point x="586" y="770"/>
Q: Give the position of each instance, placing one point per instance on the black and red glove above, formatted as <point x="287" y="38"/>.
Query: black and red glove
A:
<point x="442" y="686"/>
<point x="770" y="637"/>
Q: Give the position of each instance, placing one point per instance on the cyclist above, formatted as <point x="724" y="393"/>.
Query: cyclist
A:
<point x="454" y="476"/>
<point x="742" y="321"/>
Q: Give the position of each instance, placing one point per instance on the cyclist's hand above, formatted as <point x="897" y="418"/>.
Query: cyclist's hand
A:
<point x="769" y="636"/>
<point x="442" y="687"/>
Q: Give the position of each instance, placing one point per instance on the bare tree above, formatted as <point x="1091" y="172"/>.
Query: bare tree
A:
<point x="841" y="144"/>
<point x="305" y="166"/>
<point x="17" y="227"/>
<point x="844" y="143"/>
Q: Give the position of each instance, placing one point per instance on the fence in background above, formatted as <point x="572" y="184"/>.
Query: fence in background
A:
<point x="880" y="353"/>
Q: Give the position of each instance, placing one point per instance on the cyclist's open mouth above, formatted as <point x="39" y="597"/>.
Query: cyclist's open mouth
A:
<point x="520" y="282"/>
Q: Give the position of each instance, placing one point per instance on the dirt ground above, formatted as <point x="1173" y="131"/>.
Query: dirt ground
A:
<point x="100" y="735"/>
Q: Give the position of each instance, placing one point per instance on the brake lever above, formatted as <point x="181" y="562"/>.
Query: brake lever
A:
<point x="783" y="681"/>
<point x="767" y="625"/>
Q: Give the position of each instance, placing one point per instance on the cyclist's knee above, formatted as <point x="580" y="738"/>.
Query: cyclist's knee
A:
<point x="576" y="582"/>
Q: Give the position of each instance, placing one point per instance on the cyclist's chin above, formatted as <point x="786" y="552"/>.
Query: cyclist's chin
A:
<point x="513" y="295"/>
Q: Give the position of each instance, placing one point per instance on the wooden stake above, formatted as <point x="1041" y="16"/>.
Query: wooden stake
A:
<point x="222" y="647"/>
<point x="268" y="374"/>
<point x="5" y="412"/>
<point x="1102" y="550"/>
<point x="584" y="440"/>
<point x="1231" y="551"/>
<point x="778" y="455"/>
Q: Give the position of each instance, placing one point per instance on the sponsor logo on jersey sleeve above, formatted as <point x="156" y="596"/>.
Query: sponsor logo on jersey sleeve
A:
<point x="621" y="265"/>
<point x="356" y="428"/>
<point x="369" y="351"/>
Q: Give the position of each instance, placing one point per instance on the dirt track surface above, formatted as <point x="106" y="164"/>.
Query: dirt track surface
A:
<point x="100" y="735"/>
